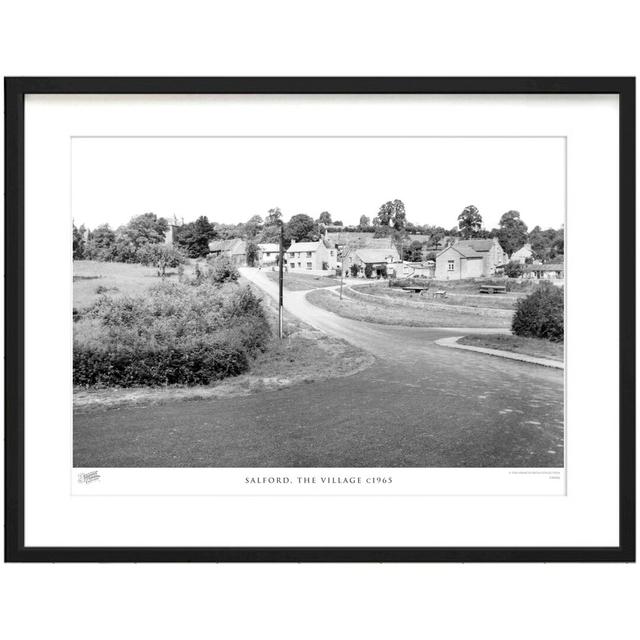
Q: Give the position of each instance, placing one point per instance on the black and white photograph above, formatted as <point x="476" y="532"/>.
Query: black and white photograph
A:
<point x="318" y="301"/>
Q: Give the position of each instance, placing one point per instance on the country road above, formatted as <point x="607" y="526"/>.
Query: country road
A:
<point x="418" y="405"/>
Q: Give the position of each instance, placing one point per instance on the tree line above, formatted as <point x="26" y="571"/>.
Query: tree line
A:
<point x="142" y="239"/>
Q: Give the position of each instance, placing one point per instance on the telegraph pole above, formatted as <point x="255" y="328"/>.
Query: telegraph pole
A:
<point x="280" y="278"/>
<point x="341" y="272"/>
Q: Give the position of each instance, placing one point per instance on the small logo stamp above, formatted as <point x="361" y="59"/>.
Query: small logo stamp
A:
<point x="87" y="478"/>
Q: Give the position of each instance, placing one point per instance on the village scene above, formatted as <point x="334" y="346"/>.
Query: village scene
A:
<point x="401" y="344"/>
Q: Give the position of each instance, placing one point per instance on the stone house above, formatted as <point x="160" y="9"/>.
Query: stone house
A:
<point x="311" y="256"/>
<point x="235" y="249"/>
<point x="379" y="259"/>
<point x="269" y="253"/>
<point x="474" y="258"/>
<point x="548" y="271"/>
<point x="522" y="254"/>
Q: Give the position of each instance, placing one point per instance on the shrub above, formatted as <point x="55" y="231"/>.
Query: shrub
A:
<point x="541" y="314"/>
<point x="368" y="270"/>
<point x="513" y="269"/>
<point x="222" y="270"/>
<point x="355" y="269"/>
<point x="174" y="334"/>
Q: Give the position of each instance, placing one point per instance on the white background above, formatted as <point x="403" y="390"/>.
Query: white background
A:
<point x="400" y="38"/>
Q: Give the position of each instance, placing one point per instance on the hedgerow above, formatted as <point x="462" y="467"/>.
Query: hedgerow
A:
<point x="174" y="334"/>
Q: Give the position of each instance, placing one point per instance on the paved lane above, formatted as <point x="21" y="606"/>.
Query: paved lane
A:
<point x="418" y="405"/>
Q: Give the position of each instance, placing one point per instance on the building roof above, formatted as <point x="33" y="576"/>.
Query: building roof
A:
<point x="369" y="256"/>
<point x="304" y="246"/>
<point x="269" y="247"/>
<point x="549" y="266"/>
<point x="477" y="244"/>
<point x="233" y="245"/>
<point x="463" y="250"/>
<point x="524" y="251"/>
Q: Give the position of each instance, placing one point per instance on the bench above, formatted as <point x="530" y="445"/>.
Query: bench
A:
<point x="416" y="289"/>
<point x="493" y="288"/>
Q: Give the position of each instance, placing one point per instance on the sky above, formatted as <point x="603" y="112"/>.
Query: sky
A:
<point x="231" y="179"/>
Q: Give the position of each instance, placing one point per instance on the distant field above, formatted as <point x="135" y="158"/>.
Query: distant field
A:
<point x="381" y="313"/>
<point x="303" y="282"/>
<point x="114" y="278"/>
<point x="527" y="346"/>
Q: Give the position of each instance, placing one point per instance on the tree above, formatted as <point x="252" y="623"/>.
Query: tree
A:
<point x="368" y="270"/>
<point x="355" y="269"/>
<point x="364" y="222"/>
<point x="274" y="215"/>
<point x="253" y="226"/>
<point x="436" y="238"/>
<point x="194" y="237"/>
<point x="413" y="253"/>
<point x="513" y="269"/>
<point x="78" y="242"/>
<point x="391" y="213"/>
<point x="100" y="245"/>
<point x="541" y="314"/>
<point x="253" y="253"/>
<point x="301" y="227"/>
<point x="325" y="218"/>
<point x="338" y="223"/>
<point x="512" y="233"/>
<point x="161" y="256"/>
<point x="547" y="244"/>
<point x="146" y="229"/>
<point x="470" y="222"/>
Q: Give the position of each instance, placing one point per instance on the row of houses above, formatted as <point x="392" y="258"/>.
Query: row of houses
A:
<point x="474" y="258"/>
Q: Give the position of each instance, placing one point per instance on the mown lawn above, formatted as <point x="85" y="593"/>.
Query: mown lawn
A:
<point x="381" y="313"/>
<point x="303" y="282"/>
<point x="536" y="347"/>
<point x="454" y="297"/>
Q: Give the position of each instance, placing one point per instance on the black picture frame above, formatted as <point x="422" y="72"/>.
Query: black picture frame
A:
<point x="15" y="91"/>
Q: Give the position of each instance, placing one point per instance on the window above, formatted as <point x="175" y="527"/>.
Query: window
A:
<point x="308" y="254"/>
<point x="292" y="254"/>
<point x="293" y="265"/>
<point x="331" y="253"/>
<point x="451" y="265"/>
<point x="309" y="265"/>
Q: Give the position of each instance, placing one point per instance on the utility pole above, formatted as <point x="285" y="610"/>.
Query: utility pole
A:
<point x="280" y="278"/>
<point x="341" y="272"/>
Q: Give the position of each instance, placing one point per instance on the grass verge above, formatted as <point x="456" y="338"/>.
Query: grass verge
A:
<point x="303" y="282"/>
<point x="401" y="315"/>
<point x="535" y="347"/>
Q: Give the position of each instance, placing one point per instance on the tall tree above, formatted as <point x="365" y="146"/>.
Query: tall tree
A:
<point x="391" y="213"/>
<point x="301" y="227"/>
<point x="512" y="233"/>
<point x="325" y="218"/>
<point x="78" y="242"/>
<point x="470" y="222"/>
<point x="273" y="216"/>
<point x="146" y="229"/>
<point x="194" y="237"/>
<point x="364" y="222"/>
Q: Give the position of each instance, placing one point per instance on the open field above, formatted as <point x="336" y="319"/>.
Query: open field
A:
<point x="516" y="344"/>
<point x="303" y="282"/>
<point x="91" y="277"/>
<point x="392" y="314"/>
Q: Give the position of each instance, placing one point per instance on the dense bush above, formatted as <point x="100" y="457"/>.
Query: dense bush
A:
<point x="409" y="282"/>
<point x="541" y="314"/>
<point x="221" y="270"/>
<point x="174" y="334"/>
<point x="513" y="269"/>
